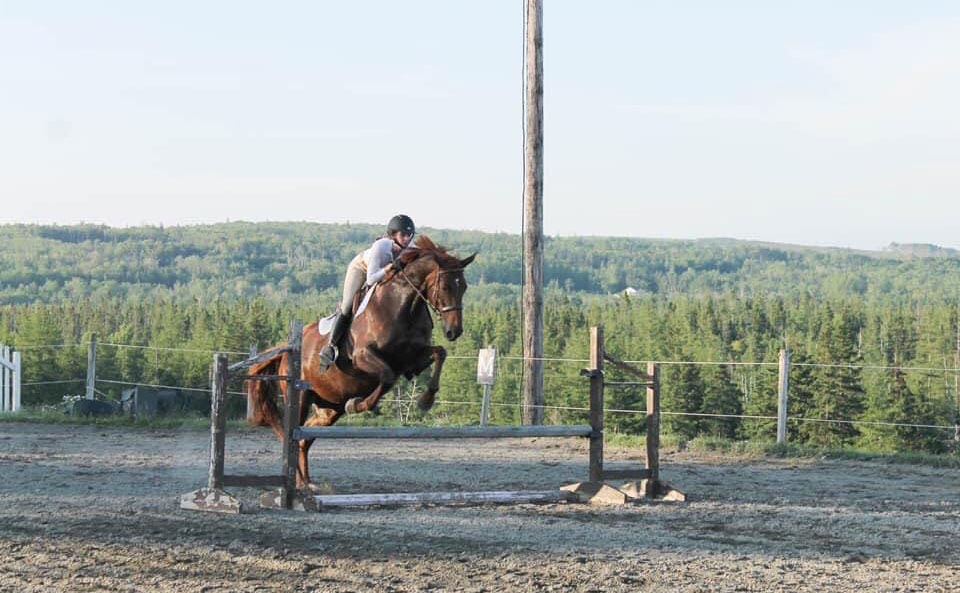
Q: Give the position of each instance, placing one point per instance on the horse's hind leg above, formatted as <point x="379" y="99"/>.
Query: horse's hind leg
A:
<point x="437" y="356"/>
<point x="321" y="417"/>
<point x="369" y="362"/>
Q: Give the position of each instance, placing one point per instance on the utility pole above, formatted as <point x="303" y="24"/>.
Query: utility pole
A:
<point x="956" y="386"/>
<point x="533" y="400"/>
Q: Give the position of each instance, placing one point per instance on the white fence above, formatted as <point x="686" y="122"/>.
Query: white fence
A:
<point x="9" y="380"/>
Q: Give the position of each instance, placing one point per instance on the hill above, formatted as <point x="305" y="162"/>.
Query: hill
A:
<point x="300" y="261"/>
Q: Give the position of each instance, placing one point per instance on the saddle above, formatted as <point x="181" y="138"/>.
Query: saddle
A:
<point x="325" y="324"/>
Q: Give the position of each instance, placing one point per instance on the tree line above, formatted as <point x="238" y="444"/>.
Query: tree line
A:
<point x="859" y="366"/>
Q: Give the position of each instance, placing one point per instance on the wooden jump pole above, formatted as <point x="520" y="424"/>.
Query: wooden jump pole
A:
<point x="596" y="404"/>
<point x="213" y="498"/>
<point x="653" y="430"/>
<point x="291" y="417"/>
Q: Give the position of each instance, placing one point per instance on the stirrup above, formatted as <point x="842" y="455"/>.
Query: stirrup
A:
<point x="325" y="362"/>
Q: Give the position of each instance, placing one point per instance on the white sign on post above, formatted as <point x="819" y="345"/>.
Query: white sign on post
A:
<point x="486" y="365"/>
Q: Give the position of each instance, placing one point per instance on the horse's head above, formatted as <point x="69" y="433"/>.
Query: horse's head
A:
<point x="449" y="285"/>
<point x="443" y="283"/>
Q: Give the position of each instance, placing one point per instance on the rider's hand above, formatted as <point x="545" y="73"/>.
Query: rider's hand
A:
<point x="396" y="265"/>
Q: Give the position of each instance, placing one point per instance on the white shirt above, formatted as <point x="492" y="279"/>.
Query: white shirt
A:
<point x="375" y="259"/>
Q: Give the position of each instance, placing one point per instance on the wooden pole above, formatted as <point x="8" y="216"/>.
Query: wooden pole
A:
<point x="653" y="425"/>
<point x="218" y="421"/>
<point x="91" y="366"/>
<point x="533" y="399"/>
<point x="596" y="404"/>
<point x="6" y="401"/>
<point x="783" y="386"/>
<point x="253" y="353"/>
<point x="291" y="417"/>
<point x="17" y="374"/>
<point x="956" y="387"/>
<point x="213" y="498"/>
<point x="442" y="432"/>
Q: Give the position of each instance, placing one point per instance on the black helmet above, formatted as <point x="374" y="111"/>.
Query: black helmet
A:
<point x="401" y="223"/>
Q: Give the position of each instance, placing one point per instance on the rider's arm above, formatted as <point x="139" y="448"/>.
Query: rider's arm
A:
<point x="377" y="258"/>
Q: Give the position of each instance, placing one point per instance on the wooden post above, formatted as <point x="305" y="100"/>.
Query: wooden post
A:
<point x="218" y="421"/>
<point x="17" y="374"/>
<point x="783" y="385"/>
<point x="213" y="498"/>
<point x="533" y="399"/>
<point x="291" y="417"/>
<point x="653" y="425"/>
<point x="253" y="353"/>
<point x="6" y="399"/>
<point x="596" y="404"/>
<point x="91" y="366"/>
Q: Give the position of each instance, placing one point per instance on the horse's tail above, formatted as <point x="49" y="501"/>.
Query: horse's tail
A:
<point x="263" y="396"/>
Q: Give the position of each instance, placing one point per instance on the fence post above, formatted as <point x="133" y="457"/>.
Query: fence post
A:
<point x="17" y="373"/>
<point x="783" y="386"/>
<point x="91" y="366"/>
<point x="218" y="421"/>
<point x="596" y="404"/>
<point x="253" y="353"/>
<point x="291" y="417"/>
<point x="653" y="423"/>
<point x="6" y="399"/>
<point x="213" y="498"/>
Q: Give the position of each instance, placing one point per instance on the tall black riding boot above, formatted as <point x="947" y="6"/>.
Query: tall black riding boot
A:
<point x="329" y="352"/>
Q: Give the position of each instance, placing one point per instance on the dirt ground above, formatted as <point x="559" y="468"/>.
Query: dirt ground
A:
<point x="93" y="509"/>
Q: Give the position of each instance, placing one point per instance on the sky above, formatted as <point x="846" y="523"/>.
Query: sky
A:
<point x="815" y="122"/>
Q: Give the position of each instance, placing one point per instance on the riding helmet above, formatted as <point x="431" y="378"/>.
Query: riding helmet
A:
<point x="401" y="223"/>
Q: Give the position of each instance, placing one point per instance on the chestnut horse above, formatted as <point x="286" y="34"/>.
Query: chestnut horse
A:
<point x="390" y="338"/>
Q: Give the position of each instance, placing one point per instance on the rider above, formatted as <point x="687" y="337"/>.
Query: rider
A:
<point x="369" y="266"/>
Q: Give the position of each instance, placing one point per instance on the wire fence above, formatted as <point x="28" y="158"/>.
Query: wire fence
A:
<point x="547" y="359"/>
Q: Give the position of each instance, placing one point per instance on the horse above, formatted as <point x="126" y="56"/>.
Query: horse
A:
<point x="389" y="339"/>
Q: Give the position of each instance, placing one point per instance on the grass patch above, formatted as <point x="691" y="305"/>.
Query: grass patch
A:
<point x="851" y="454"/>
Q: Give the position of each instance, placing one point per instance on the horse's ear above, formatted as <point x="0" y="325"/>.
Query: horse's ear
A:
<point x="466" y="262"/>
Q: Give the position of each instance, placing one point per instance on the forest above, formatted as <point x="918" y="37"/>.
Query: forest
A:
<point x="873" y="336"/>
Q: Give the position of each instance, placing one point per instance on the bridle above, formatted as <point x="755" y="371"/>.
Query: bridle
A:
<point x="436" y="291"/>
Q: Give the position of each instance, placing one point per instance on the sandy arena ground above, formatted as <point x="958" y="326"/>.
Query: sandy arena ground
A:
<point x="94" y="509"/>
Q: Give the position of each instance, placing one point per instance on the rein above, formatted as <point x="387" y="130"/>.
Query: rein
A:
<point x="436" y="290"/>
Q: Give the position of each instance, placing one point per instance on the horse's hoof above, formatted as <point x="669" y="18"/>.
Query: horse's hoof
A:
<point x="322" y="488"/>
<point x="351" y="406"/>
<point x="425" y="401"/>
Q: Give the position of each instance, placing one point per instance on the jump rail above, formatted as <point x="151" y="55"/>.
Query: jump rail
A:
<point x="440" y="432"/>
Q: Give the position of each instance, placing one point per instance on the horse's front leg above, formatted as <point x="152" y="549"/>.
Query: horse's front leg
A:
<point x="435" y="355"/>
<point x="370" y="362"/>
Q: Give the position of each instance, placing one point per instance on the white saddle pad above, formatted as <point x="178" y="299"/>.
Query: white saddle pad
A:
<point x="325" y="324"/>
<point x="366" y="299"/>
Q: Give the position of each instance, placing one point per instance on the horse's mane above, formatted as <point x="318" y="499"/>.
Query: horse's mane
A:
<point x="426" y="247"/>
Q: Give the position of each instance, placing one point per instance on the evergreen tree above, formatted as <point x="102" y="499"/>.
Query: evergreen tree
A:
<point x="838" y="390"/>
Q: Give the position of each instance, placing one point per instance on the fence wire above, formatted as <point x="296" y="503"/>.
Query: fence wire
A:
<point x="544" y="359"/>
